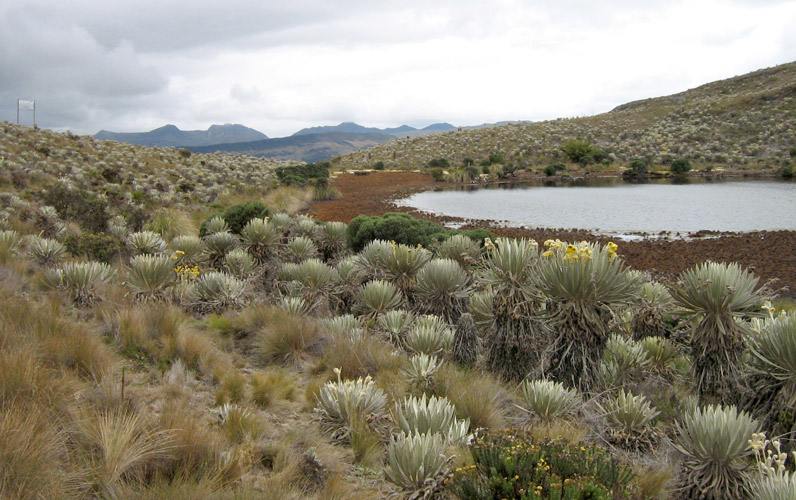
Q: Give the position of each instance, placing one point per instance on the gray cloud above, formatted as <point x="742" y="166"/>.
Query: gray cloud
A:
<point x="280" y="66"/>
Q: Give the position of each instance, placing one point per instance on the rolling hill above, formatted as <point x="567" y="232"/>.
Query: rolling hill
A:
<point x="745" y="122"/>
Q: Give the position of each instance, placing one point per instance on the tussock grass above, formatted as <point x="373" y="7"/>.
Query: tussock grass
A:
<point x="360" y="356"/>
<point x="271" y="386"/>
<point x="477" y="396"/>
<point x="33" y="462"/>
<point x="288" y="339"/>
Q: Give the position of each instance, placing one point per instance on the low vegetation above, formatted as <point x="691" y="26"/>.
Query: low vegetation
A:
<point x="201" y="342"/>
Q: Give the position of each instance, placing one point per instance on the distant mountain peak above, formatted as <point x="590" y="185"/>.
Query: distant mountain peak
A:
<point x="171" y="136"/>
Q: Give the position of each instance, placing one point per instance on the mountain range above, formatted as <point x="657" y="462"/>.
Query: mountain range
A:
<point x="171" y="136"/>
<point x="402" y="131"/>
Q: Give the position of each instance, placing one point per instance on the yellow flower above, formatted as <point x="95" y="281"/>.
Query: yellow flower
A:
<point x="612" y="247"/>
<point x="548" y="253"/>
<point x="179" y="252"/>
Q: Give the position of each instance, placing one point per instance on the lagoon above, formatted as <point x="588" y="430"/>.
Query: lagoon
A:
<point x="614" y="206"/>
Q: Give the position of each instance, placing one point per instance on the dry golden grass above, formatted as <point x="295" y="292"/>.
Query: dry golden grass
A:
<point x="33" y="461"/>
<point x="362" y="356"/>
<point x="232" y="388"/>
<point x="289" y="339"/>
<point x="120" y="446"/>
<point x="271" y="386"/>
<point x="171" y="222"/>
<point x="477" y="395"/>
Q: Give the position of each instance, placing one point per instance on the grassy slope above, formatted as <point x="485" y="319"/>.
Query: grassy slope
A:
<point x="744" y="122"/>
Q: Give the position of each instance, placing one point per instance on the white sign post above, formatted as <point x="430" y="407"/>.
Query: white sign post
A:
<point x="26" y="105"/>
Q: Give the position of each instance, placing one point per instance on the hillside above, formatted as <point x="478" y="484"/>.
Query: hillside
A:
<point x="133" y="178"/>
<point x="171" y="136"/>
<point x="309" y="147"/>
<point x="745" y="122"/>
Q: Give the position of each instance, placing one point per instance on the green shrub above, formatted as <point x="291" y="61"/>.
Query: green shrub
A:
<point x="299" y="175"/>
<point x="583" y="152"/>
<point x="83" y="207"/>
<point x="680" y="166"/>
<point x="469" y="162"/>
<point x="553" y="168"/>
<point x="237" y="216"/>
<point x="96" y="246"/>
<point x="379" y="165"/>
<point x="398" y="227"/>
<point x="438" y="175"/>
<point x="495" y="158"/>
<point x="438" y="163"/>
<point x="510" y="464"/>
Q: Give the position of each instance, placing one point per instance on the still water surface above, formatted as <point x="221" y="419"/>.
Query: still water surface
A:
<point x="616" y="206"/>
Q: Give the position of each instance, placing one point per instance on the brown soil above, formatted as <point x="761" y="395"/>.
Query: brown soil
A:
<point x="770" y="254"/>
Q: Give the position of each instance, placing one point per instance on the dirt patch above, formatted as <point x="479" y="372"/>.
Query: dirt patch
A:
<point x="770" y="254"/>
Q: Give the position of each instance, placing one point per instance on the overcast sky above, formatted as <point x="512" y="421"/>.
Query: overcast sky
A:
<point x="281" y="66"/>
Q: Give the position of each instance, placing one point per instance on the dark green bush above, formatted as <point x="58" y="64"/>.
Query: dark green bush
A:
<point x="793" y="152"/>
<point x="680" y="166"/>
<point x="477" y="235"/>
<point x="786" y="171"/>
<point x="83" y="207"/>
<point x="511" y="464"/>
<point x="638" y="168"/>
<point x="438" y="175"/>
<point x="472" y="172"/>
<point x="468" y="162"/>
<point x="392" y="226"/>
<point x="237" y="216"/>
<point x="379" y="165"/>
<point x="584" y="153"/>
<point x="299" y="175"/>
<point x="438" y="163"/>
<point x="95" y="246"/>
<point x="553" y="168"/>
<point x="496" y="158"/>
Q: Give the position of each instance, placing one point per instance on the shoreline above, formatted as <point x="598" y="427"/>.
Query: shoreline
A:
<point x="769" y="254"/>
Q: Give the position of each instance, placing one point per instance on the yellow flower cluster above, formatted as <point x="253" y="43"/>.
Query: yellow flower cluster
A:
<point x="187" y="272"/>
<point x="612" y="247"/>
<point x="571" y="252"/>
<point x="177" y="255"/>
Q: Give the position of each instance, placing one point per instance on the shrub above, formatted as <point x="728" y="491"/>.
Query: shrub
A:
<point x="299" y="175"/>
<point x="583" y="152"/>
<point x="438" y="163"/>
<point x="379" y="165"/>
<point x="237" y="216"/>
<point x="96" y="246"/>
<point x="680" y="166"/>
<point x="511" y="464"/>
<point x="496" y="158"/>
<point x="83" y="207"/>
<point x="553" y="169"/>
<point x="638" y="168"/>
<point x="438" y="175"/>
<point x="397" y="227"/>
